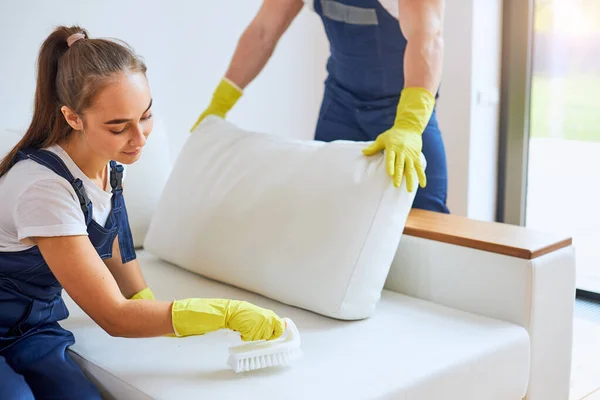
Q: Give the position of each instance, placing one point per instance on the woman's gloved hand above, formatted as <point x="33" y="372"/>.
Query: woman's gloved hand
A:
<point x="198" y="316"/>
<point x="224" y="98"/>
<point x="144" y="294"/>
<point x="403" y="142"/>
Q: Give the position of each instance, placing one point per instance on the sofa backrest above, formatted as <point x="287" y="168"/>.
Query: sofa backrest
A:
<point x="308" y="223"/>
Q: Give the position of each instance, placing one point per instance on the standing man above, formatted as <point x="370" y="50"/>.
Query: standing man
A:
<point x="383" y="76"/>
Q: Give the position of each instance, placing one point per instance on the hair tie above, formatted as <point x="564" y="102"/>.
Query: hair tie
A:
<point x="74" y="37"/>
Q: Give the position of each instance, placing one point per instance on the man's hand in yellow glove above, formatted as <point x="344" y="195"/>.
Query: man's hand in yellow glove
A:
<point x="224" y="98"/>
<point x="403" y="142"/>
<point x="199" y="316"/>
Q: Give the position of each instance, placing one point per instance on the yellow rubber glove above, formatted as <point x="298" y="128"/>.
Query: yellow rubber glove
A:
<point x="199" y="316"/>
<point x="403" y="142"/>
<point x="144" y="294"/>
<point x="224" y="98"/>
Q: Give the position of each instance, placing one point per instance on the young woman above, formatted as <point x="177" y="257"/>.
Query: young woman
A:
<point x="63" y="223"/>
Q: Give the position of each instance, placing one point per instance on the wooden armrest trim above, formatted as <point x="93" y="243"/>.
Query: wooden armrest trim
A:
<point x="495" y="237"/>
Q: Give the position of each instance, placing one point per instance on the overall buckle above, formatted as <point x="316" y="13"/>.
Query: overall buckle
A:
<point x="84" y="200"/>
<point x="116" y="177"/>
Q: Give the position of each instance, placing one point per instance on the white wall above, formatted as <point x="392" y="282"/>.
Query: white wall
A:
<point x="188" y="44"/>
<point x="454" y="104"/>
<point x="485" y="103"/>
<point x="469" y="104"/>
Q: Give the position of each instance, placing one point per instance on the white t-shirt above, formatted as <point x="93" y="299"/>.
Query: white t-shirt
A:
<point x="390" y="5"/>
<point x="35" y="201"/>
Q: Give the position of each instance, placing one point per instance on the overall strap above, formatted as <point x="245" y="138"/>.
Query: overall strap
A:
<point x="116" y="176"/>
<point x="126" y="244"/>
<point x="54" y="163"/>
<point x="357" y="12"/>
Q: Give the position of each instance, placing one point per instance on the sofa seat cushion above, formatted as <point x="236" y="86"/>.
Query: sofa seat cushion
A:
<point x="409" y="349"/>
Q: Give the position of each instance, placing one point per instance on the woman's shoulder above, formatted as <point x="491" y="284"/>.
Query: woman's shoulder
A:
<point x="33" y="199"/>
<point x="27" y="174"/>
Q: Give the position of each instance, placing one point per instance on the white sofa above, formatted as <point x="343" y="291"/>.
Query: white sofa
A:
<point x="470" y="310"/>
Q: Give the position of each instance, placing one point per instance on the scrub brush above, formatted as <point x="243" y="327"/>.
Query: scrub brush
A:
<point x="264" y="354"/>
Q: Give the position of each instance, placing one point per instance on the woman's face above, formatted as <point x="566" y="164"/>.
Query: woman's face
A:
<point x="119" y="121"/>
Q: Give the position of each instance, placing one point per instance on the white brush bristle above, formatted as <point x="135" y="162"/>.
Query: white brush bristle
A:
<point x="267" y="361"/>
<point x="266" y="354"/>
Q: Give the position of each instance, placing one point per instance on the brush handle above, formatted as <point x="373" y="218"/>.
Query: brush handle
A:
<point x="291" y="334"/>
<point x="291" y="331"/>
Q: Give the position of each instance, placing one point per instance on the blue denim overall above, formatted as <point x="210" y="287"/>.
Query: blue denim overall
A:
<point x="33" y="357"/>
<point x="362" y="90"/>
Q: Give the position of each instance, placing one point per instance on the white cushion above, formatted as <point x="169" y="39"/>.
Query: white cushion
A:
<point x="145" y="181"/>
<point x="409" y="349"/>
<point x="311" y="224"/>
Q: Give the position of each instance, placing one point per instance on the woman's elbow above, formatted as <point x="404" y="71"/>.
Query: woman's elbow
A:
<point x="114" y="323"/>
<point x="115" y="330"/>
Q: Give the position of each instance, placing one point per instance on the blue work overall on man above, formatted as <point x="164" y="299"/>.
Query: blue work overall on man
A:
<point x="383" y="77"/>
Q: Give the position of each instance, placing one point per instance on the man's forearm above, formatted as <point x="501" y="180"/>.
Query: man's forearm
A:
<point x="422" y="24"/>
<point x="251" y="55"/>
<point x="258" y="41"/>
<point x="423" y="62"/>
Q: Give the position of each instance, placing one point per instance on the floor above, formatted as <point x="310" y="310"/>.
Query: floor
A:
<point x="585" y="375"/>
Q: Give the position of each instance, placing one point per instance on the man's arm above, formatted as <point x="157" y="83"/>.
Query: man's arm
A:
<point x="254" y="48"/>
<point x="257" y="43"/>
<point x="421" y="22"/>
